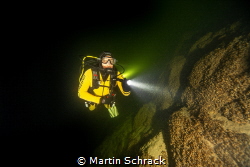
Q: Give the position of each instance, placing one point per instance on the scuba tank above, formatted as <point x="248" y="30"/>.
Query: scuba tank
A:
<point x="93" y="62"/>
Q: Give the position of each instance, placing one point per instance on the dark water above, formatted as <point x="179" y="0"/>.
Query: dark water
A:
<point x="41" y="114"/>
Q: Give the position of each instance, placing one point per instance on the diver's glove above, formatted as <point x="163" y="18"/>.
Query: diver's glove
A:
<point x="125" y="85"/>
<point x="106" y="99"/>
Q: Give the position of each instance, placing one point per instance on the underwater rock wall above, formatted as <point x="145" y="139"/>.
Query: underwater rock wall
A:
<point x="214" y="126"/>
<point x="202" y="117"/>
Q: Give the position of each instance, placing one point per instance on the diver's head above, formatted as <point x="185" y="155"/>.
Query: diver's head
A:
<point x="107" y="61"/>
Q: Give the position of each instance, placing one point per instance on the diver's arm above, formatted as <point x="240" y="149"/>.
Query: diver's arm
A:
<point x="84" y="86"/>
<point x="119" y="83"/>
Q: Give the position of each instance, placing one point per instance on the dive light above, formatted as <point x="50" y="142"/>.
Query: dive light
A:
<point x="129" y="82"/>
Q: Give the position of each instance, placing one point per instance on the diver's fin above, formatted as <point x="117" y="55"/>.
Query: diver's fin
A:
<point x="113" y="112"/>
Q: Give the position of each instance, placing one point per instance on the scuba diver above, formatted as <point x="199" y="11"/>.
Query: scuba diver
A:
<point x="98" y="82"/>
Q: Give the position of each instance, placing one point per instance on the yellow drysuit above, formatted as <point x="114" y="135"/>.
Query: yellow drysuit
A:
<point x="86" y="83"/>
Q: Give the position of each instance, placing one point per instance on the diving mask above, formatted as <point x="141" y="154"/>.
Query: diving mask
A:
<point x="111" y="60"/>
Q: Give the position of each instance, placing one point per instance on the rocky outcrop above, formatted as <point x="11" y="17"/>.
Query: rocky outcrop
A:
<point x="202" y="116"/>
<point x="214" y="127"/>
